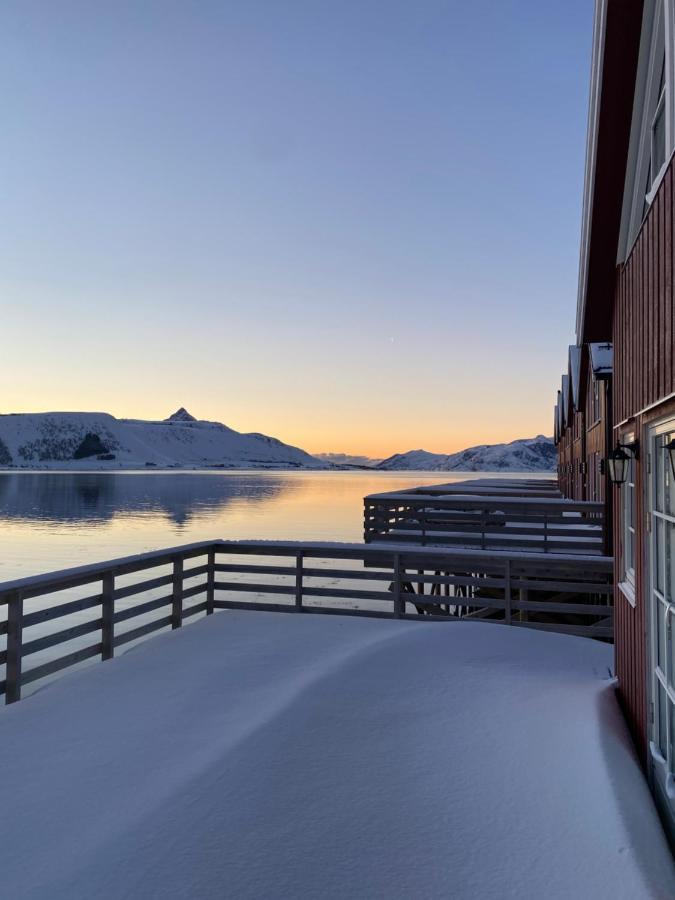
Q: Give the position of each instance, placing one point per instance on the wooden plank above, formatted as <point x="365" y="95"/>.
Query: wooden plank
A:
<point x="255" y="588"/>
<point x="399" y="600"/>
<point x="197" y="608"/>
<point x="348" y="594"/>
<point x="250" y="569"/>
<point x="210" y="582"/>
<point x="143" y="587"/>
<point x="142" y="630"/>
<point x="142" y="609"/>
<point x="195" y="571"/>
<point x="298" y="580"/>
<point x="108" y="616"/>
<point x="64" y="662"/>
<point x="15" y="624"/>
<point x="177" y="594"/>
<point x="550" y="606"/>
<point x="63" y="609"/>
<point x="61" y="637"/>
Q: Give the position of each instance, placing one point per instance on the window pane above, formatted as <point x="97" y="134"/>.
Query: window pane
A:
<point x="659" y="612"/>
<point x="669" y="481"/>
<point x="659" y="140"/>
<point x="670" y="562"/>
<point x="659" y="561"/>
<point x="661" y="714"/>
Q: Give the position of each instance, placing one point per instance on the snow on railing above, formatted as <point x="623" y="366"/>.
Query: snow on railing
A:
<point x="500" y="522"/>
<point x="46" y="614"/>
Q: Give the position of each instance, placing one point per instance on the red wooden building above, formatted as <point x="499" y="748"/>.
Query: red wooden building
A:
<point x="626" y="299"/>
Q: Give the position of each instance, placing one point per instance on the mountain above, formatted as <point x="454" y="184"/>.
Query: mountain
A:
<point x="536" y="454"/>
<point x="73" y="440"/>
<point x="348" y="460"/>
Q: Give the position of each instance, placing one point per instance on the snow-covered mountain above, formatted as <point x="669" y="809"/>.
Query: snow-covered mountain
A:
<point x="536" y="454"/>
<point x="349" y="460"/>
<point x="66" y="440"/>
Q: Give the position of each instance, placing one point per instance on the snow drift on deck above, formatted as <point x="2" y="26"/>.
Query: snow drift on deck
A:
<point x="257" y="755"/>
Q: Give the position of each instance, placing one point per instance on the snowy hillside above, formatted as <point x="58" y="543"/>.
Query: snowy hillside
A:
<point x="536" y="454"/>
<point x="98" y="440"/>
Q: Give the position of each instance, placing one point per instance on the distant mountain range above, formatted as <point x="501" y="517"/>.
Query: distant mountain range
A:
<point x="75" y="440"/>
<point x="536" y="454"/>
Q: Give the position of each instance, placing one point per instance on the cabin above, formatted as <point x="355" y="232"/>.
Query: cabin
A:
<point x="620" y="377"/>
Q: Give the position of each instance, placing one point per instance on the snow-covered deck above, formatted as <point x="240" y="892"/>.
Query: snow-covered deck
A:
<point x="263" y="755"/>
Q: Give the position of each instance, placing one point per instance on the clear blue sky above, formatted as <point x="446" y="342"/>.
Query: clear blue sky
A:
<point x="353" y="225"/>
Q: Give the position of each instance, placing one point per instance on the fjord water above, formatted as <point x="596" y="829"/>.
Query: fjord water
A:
<point x="55" y="520"/>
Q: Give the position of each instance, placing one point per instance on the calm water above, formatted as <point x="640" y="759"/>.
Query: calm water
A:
<point x="54" y="520"/>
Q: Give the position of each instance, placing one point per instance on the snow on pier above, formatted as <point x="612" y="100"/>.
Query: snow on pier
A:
<point x="264" y="755"/>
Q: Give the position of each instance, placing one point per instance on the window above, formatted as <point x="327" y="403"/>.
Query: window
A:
<point x="595" y="408"/>
<point x="657" y="139"/>
<point x="628" y="519"/>
<point x="652" y="130"/>
<point x="661" y="615"/>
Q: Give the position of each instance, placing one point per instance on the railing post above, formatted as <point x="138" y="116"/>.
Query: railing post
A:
<point x="507" y="592"/>
<point x="211" y="581"/>
<point x="14" y="648"/>
<point x="108" y="616"/>
<point x="299" y="559"/>
<point x="522" y="596"/>
<point x="399" y="606"/>
<point x="177" y="595"/>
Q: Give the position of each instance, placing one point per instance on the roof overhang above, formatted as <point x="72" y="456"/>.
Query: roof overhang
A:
<point x="616" y="44"/>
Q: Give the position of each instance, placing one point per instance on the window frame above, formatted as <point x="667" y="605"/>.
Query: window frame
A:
<point x="628" y="525"/>
<point x="658" y="51"/>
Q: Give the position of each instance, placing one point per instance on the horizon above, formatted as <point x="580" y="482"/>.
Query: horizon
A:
<point x="328" y="452"/>
<point x="326" y="224"/>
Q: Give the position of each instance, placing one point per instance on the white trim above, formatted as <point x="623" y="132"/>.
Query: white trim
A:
<point x="645" y="409"/>
<point x="659" y="611"/>
<point x="636" y="130"/>
<point x="656" y="42"/>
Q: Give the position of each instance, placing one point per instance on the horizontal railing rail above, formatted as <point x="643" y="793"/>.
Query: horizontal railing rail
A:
<point x="568" y="593"/>
<point x="549" y="525"/>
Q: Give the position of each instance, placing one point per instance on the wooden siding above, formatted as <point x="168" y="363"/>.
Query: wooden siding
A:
<point x="643" y="317"/>
<point x="644" y="377"/>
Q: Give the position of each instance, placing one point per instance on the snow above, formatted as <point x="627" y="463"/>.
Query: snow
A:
<point x="262" y="755"/>
<point x="602" y="359"/>
<point x="536" y="454"/>
<point x="49" y="440"/>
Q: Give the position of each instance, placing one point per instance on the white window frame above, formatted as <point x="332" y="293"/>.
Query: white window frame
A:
<point x="627" y="584"/>
<point x="660" y="610"/>
<point x="658" y="38"/>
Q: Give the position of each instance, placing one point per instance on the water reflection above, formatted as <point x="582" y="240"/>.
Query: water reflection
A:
<point x="96" y="498"/>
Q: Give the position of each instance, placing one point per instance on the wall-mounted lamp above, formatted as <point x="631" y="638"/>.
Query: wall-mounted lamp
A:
<point x="618" y="461"/>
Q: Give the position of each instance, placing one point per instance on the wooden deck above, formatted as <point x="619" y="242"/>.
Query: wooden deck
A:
<point x="488" y="515"/>
<point x="60" y="619"/>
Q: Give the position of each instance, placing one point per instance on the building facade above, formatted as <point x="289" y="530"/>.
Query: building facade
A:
<point x="626" y="333"/>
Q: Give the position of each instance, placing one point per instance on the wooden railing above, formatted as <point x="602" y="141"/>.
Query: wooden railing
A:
<point x="565" y="593"/>
<point x="501" y="522"/>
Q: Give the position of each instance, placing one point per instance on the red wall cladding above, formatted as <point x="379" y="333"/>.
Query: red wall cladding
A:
<point x="644" y="375"/>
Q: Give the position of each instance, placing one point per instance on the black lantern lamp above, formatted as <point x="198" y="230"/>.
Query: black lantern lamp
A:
<point x="670" y="447"/>
<point x="618" y="462"/>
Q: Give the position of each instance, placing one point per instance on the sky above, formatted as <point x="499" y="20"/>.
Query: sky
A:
<point x="353" y="226"/>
